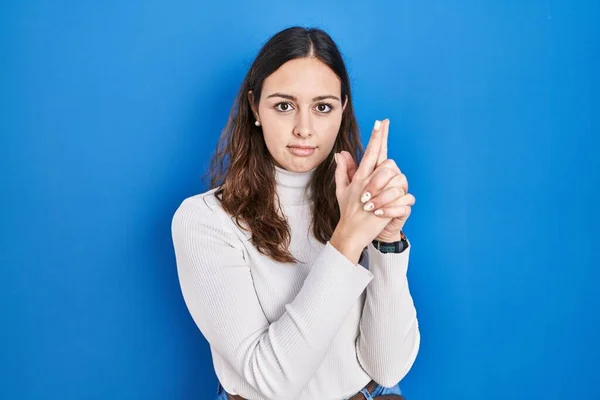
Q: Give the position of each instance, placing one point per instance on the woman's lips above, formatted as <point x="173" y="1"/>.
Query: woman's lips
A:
<point x="301" y="151"/>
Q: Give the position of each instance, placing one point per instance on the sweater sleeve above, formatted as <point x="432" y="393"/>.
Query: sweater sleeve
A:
<point x="389" y="336"/>
<point x="276" y="359"/>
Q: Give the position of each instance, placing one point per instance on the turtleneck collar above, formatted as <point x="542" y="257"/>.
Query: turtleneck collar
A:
<point x="292" y="187"/>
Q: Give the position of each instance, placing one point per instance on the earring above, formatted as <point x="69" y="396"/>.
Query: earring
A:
<point x="257" y="123"/>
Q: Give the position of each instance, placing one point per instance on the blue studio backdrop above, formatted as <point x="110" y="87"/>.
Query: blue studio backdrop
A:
<point x="110" y="112"/>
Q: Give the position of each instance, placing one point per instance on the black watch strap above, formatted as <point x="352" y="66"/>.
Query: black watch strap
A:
<point x="392" y="247"/>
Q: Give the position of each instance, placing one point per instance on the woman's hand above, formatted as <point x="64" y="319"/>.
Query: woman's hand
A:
<point x="386" y="192"/>
<point x="357" y="227"/>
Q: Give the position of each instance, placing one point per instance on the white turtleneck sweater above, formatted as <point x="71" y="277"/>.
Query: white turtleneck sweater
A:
<point x="318" y="330"/>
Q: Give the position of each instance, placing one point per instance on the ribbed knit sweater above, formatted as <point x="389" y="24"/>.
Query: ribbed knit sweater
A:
<point x="320" y="329"/>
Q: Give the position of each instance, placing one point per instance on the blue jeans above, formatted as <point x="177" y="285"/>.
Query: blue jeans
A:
<point x="379" y="390"/>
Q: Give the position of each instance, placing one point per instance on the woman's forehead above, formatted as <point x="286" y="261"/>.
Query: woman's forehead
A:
<point x="304" y="78"/>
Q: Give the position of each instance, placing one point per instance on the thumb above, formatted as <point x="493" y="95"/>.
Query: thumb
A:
<point x="350" y="164"/>
<point x="341" y="172"/>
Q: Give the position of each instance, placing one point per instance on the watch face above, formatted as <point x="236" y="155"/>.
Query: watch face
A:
<point x="389" y="249"/>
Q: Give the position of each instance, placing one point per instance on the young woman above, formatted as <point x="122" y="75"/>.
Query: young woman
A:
<point x="293" y="265"/>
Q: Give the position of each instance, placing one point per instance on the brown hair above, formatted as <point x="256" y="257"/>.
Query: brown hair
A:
<point x="247" y="183"/>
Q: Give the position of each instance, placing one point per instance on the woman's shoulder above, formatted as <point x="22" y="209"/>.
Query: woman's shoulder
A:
<point x="201" y="206"/>
<point x="205" y="210"/>
<point x="205" y="202"/>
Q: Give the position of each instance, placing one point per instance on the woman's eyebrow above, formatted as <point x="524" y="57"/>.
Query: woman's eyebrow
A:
<point x="294" y="98"/>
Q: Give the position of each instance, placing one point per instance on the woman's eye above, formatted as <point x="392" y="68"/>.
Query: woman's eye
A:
<point x="283" y="106"/>
<point x="324" y="107"/>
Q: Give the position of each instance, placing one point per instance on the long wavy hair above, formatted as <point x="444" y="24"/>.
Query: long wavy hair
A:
<point x="243" y="168"/>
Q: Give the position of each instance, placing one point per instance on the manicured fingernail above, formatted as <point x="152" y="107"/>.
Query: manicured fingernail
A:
<point x="377" y="125"/>
<point x="369" y="206"/>
<point x="335" y="156"/>
<point x="378" y="212"/>
<point x="365" y="197"/>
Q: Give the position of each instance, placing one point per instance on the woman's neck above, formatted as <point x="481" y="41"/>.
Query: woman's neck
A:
<point x="293" y="187"/>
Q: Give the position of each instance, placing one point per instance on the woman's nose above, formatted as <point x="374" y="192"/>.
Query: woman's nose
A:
<point x="303" y="126"/>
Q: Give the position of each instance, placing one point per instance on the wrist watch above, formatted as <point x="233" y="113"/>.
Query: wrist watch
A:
<point x="392" y="247"/>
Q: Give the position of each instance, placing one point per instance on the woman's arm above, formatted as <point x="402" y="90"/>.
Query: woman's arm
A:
<point x="276" y="359"/>
<point x="389" y="336"/>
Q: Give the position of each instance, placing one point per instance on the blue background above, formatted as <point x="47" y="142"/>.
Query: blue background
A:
<point x="109" y="114"/>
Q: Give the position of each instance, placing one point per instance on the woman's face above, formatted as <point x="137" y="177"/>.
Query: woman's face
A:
<point x="300" y="105"/>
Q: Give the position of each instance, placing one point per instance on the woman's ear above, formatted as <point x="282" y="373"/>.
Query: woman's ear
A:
<point x="251" y="101"/>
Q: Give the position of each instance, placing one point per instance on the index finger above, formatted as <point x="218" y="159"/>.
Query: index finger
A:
<point x="385" y="128"/>
<point x="369" y="160"/>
